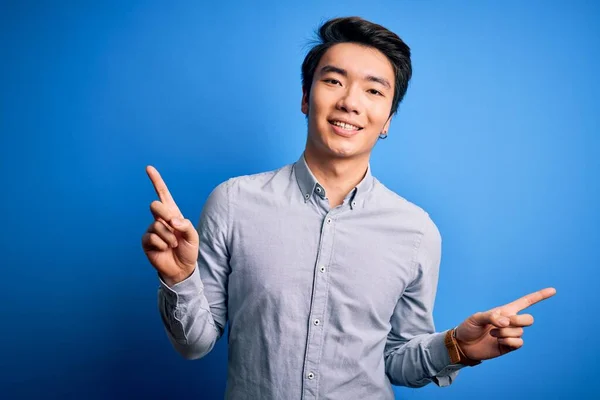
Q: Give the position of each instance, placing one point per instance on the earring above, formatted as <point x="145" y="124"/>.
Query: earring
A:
<point x="382" y="135"/>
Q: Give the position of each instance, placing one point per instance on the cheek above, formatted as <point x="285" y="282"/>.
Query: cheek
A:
<point x="315" y="120"/>
<point x="318" y="117"/>
<point x="379" y="114"/>
<point x="317" y="102"/>
<point x="323" y="99"/>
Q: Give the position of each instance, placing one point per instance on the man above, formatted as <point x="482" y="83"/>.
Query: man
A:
<point x="326" y="277"/>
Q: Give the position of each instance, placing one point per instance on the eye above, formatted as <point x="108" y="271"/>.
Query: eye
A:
<point x="332" y="81"/>
<point x="375" y="92"/>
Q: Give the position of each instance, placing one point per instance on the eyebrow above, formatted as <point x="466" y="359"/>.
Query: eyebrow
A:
<point x="343" y="72"/>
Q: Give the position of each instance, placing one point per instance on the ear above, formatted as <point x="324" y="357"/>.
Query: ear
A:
<point x="386" y="127"/>
<point x="304" y="103"/>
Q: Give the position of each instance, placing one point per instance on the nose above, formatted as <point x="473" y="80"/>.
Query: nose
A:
<point x="349" y="101"/>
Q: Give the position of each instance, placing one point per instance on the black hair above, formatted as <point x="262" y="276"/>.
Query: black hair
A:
<point x="363" y="32"/>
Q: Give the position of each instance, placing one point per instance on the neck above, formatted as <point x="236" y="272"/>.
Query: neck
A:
<point x="337" y="175"/>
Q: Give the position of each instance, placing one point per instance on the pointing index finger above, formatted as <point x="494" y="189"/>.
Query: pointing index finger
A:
<point x="529" y="300"/>
<point x="161" y="188"/>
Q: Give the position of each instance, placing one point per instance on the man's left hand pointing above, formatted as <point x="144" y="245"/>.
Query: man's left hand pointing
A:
<point x="490" y="334"/>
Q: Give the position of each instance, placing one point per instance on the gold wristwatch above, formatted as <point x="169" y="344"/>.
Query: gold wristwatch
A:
<point x="456" y="354"/>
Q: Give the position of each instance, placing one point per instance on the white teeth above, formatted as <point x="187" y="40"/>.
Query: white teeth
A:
<point x="343" y="125"/>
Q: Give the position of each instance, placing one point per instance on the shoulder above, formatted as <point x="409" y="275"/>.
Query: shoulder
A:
<point x="238" y="186"/>
<point x="254" y="183"/>
<point x="222" y="200"/>
<point x="410" y="213"/>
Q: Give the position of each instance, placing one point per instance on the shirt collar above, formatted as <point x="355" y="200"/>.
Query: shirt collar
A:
<point x="309" y="185"/>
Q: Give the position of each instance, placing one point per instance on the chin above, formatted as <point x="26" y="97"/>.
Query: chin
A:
<point x="342" y="151"/>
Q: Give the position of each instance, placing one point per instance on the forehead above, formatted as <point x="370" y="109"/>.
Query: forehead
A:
<point x="358" y="60"/>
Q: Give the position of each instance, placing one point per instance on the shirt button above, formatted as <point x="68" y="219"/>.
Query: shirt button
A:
<point x="322" y="269"/>
<point x="306" y="196"/>
<point x="328" y="220"/>
<point x="353" y="204"/>
<point x="310" y="375"/>
<point x="318" y="189"/>
<point x="316" y="322"/>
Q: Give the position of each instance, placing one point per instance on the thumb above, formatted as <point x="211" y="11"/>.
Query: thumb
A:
<point x="186" y="229"/>
<point x="492" y="317"/>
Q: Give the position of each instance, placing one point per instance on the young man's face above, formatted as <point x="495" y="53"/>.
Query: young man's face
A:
<point x="350" y="101"/>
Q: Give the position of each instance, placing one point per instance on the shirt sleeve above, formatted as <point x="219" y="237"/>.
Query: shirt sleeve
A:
<point x="415" y="354"/>
<point x="194" y="311"/>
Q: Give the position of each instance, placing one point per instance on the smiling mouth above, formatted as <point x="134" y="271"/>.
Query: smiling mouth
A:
<point x="345" y="126"/>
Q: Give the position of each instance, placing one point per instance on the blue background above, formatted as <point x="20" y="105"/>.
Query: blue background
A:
<point x="497" y="138"/>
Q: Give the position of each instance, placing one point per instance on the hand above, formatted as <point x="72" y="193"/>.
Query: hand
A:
<point x="490" y="334"/>
<point x="171" y="241"/>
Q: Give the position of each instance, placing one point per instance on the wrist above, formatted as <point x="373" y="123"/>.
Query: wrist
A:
<point x="456" y="353"/>
<point x="169" y="281"/>
<point x="172" y="281"/>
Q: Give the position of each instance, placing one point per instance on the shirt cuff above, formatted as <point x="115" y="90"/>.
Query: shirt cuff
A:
<point x="441" y="361"/>
<point x="182" y="291"/>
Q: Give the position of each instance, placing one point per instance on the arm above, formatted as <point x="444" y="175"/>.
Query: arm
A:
<point x="194" y="311"/>
<point x="415" y="354"/>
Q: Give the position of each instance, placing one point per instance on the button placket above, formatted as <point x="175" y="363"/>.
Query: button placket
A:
<point x="317" y="311"/>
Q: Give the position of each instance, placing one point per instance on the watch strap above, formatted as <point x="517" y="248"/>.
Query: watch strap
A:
<point x="455" y="352"/>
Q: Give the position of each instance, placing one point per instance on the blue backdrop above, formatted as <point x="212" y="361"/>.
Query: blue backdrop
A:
<point x="497" y="138"/>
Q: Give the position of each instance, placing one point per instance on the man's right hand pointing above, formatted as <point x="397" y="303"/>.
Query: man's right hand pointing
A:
<point x="171" y="241"/>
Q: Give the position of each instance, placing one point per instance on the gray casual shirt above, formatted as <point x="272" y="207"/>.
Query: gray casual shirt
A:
<point x="322" y="303"/>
